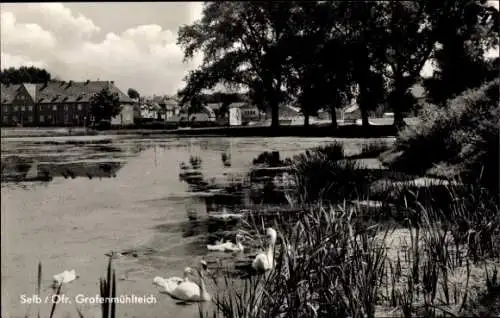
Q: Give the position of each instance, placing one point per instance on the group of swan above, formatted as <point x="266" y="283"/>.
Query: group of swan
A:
<point x="228" y="246"/>
<point x="186" y="290"/>
<point x="263" y="262"/>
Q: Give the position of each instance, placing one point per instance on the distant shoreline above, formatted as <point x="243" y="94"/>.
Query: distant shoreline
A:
<point x="344" y="131"/>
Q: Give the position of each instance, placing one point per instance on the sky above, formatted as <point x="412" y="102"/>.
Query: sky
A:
<point x="133" y="44"/>
<point x="130" y="43"/>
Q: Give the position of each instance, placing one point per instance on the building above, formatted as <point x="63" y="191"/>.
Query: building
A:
<point x="57" y="103"/>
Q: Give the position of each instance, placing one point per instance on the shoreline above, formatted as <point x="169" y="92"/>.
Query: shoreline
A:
<point x="344" y="131"/>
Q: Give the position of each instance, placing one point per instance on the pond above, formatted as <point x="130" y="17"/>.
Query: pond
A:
<point x="137" y="202"/>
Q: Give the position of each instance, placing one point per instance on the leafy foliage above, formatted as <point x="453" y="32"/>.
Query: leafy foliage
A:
<point x="465" y="33"/>
<point x="24" y="74"/>
<point x="461" y="140"/>
<point x="133" y="93"/>
<point x="105" y="105"/>
<point x="320" y="55"/>
<point x="242" y="44"/>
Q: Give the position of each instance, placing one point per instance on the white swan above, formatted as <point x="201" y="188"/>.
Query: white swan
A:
<point x="187" y="290"/>
<point x="264" y="262"/>
<point x="64" y="277"/>
<point x="228" y="246"/>
<point x="169" y="283"/>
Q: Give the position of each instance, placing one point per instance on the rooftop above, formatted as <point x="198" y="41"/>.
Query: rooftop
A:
<point x="59" y="92"/>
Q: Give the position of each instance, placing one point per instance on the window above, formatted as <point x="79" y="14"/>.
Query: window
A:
<point x="22" y="108"/>
<point x="30" y="119"/>
<point x="54" y="107"/>
<point x="6" y="109"/>
<point x="30" y="108"/>
<point x="49" y="117"/>
<point x="15" y="108"/>
<point x="14" y="118"/>
<point x="79" y="106"/>
<point x="42" y="118"/>
<point x="66" y="107"/>
<point x="5" y="119"/>
<point x="66" y="119"/>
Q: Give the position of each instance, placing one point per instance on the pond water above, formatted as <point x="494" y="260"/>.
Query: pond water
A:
<point x="71" y="222"/>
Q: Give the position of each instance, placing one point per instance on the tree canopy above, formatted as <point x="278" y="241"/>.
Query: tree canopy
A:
<point x="24" y="74"/>
<point x="105" y="105"/>
<point x="133" y="93"/>
<point x="322" y="54"/>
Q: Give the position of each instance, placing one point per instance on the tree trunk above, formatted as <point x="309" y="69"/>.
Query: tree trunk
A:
<point x="275" y="118"/>
<point x="306" y="120"/>
<point x="364" y="118"/>
<point x="363" y="104"/>
<point x="398" y="101"/>
<point x="333" y="115"/>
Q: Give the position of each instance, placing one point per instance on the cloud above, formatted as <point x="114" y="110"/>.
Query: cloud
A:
<point x="144" y="57"/>
<point x="18" y="61"/>
<point x="73" y="46"/>
<point x="19" y="37"/>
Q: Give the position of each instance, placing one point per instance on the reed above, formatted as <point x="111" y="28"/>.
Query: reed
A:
<point x="329" y="262"/>
<point x="107" y="288"/>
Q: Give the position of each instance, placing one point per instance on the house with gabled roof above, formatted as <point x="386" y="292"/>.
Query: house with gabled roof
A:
<point x="57" y="103"/>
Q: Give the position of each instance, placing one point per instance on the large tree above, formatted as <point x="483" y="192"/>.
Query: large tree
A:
<point x="104" y="105"/>
<point x="243" y="46"/>
<point x="319" y="71"/>
<point x="357" y="26"/>
<point x="408" y="38"/>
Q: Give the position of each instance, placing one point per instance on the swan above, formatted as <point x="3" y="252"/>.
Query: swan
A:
<point x="228" y="246"/>
<point x="186" y="289"/>
<point x="171" y="282"/>
<point x="64" y="277"/>
<point x="264" y="262"/>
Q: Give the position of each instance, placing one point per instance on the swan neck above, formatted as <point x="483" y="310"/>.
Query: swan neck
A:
<point x="270" y="249"/>
<point x="203" y="291"/>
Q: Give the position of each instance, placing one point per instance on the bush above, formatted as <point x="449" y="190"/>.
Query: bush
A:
<point x="322" y="174"/>
<point x="459" y="141"/>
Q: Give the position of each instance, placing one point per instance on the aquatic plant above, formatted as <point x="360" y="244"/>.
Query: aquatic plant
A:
<point x="329" y="263"/>
<point x="107" y="288"/>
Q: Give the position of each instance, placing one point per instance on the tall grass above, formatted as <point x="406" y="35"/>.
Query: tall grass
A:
<point x="329" y="264"/>
<point x="107" y="287"/>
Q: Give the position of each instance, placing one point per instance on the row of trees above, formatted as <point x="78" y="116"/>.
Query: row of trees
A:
<point x="322" y="54"/>
<point x="24" y="74"/>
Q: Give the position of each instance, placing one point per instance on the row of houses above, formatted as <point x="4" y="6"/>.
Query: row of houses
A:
<point x="57" y="103"/>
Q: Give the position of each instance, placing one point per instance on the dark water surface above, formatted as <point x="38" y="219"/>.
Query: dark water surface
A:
<point x="72" y="222"/>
